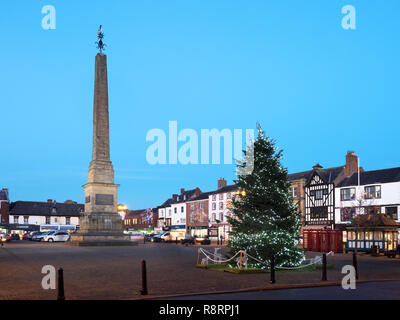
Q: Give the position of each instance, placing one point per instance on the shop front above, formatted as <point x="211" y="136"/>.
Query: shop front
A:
<point x="198" y="231"/>
<point x="48" y="227"/>
<point x="369" y="230"/>
<point x="219" y="232"/>
<point x="22" y="229"/>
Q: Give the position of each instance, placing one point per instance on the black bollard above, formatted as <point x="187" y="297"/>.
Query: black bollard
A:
<point x="324" y="277"/>
<point x="61" y="295"/>
<point x="272" y="269"/>
<point x="355" y="265"/>
<point x="144" y="291"/>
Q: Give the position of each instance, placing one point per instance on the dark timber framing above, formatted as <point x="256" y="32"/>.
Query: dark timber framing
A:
<point x="319" y="201"/>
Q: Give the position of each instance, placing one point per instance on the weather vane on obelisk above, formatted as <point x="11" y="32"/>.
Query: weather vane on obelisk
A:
<point x="100" y="36"/>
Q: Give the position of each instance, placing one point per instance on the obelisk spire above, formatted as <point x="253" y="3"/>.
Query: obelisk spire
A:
<point x="101" y="136"/>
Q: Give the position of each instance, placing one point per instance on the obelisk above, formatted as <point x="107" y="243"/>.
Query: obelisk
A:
<point x="100" y="224"/>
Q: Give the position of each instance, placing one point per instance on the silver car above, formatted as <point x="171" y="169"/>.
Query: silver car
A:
<point x="58" y="236"/>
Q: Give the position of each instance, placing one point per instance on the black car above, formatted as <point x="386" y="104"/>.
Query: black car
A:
<point x="14" y="236"/>
<point x="188" y="239"/>
<point x="148" y="237"/>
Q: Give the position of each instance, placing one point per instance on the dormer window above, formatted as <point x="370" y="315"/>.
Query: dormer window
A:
<point x="53" y="210"/>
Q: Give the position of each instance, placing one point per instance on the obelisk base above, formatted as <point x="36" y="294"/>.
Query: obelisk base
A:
<point x="100" y="229"/>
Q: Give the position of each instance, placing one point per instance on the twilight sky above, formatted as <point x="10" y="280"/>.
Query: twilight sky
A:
<point x="317" y="89"/>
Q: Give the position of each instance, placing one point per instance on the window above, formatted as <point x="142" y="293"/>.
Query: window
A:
<point x="221" y="205"/>
<point x="221" y="216"/>
<point x="214" y="216"/>
<point x="347" y="194"/>
<point x="67" y="220"/>
<point x="391" y="212"/>
<point x="373" y="210"/>
<point x="295" y="193"/>
<point x="47" y="220"/>
<point x="16" y="218"/>
<point x="368" y="235"/>
<point x="351" y="235"/>
<point x="175" y="210"/>
<point x="192" y="206"/>
<point x="202" y="205"/>
<point x="372" y="192"/>
<point x="319" y="212"/>
<point x="360" y="235"/>
<point x="182" y="209"/>
<point x="229" y="196"/>
<point x="378" y="235"/>
<point x="26" y="219"/>
<point x="221" y="196"/>
<point x="214" y="206"/>
<point x="347" y="213"/>
<point x="318" y="195"/>
<point x="214" y="197"/>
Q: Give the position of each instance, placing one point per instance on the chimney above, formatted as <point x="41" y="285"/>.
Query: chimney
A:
<point x="197" y="192"/>
<point x="221" y="183"/>
<point x="317" y="167"/>
<point x="182" y="190"/>
<point x="351" y="163"/>
<point x="174" y="196"/>
<point x="50" y="200"/>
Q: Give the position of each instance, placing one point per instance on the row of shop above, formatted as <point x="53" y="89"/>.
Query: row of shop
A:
<point x="23" y="229"/>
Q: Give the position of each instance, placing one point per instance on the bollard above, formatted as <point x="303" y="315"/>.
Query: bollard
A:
<point x="144" y="291"/>
<point x="272" y="269"/>
<point x="61" y="295"/>
<point x="355" y="265"/>
<point x="324" y="277"/>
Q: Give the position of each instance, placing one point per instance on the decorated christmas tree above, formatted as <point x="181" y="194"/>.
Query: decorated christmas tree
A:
<point x="265" y="220"/>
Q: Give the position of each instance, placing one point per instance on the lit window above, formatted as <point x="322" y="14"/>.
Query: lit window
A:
<point x="347" y="194"/>
<point x="373" y="192"/>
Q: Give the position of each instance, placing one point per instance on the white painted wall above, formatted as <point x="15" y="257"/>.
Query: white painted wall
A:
<point x="390" y="196"/>
<point x="221" y="199"/>
<point x="41" y="220"/>
<point x="178" y="217"/>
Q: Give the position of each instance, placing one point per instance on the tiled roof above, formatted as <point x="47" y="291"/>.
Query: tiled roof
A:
<point x="30" y="208"/>
<point x="299" y="175"/>
<point x="330" y="174"/>
<point x="202" y="196"/>
<point x="229" y="188"/>
<point x="372" y="177"/>
<point x="374" y="220"/>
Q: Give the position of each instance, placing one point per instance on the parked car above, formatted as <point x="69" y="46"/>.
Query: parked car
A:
<point x="157" y="237"/>
<point x="148" y="237"/>
<point x="4" y="237"/>
<point x="56" y="236"/>
<point x="25" y="236"/>
<point x="40" y="235"/>
<point x="14" y="236"/>
<point x="188" y="239"/>
<point x="31" y="234"/>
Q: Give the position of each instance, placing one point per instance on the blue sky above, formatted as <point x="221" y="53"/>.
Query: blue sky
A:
<point x="317" y="89"/>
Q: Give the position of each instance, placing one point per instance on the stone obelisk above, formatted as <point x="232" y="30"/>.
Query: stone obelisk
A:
<point x="100" y="224"/>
